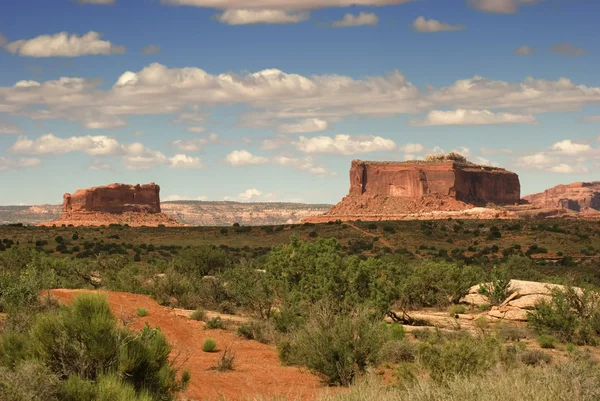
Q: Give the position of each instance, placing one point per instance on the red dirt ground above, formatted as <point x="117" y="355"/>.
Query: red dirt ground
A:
<point x="257" y="371"/>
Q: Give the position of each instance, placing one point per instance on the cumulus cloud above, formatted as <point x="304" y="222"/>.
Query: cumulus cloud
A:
<point x="11" y="164"/>
<point x="538" y="160"/>
<point x="500" y="6"/>
<point x="424" y="25"/>
<point x="412" y="148"/>
<point x="244" y="158"/>
<point x="569" y="169"/>
<point x="306" y="164"/>
<point x="525" y="50"/>
<point x="250" y="193"/>
<point x="484" y="162"/>
<point x="304" y="126"/>
<point x="151" y="49"/>
<point x="567" y="49"/>
<point x="194" y="144"/>
<point x="185" y="162"/>
<point x="344" y="144"/>
<point x="50" y="144"/>
<point x="472" y="117"/>
<point x="64" y="45"/>
<point x="3" y="40"/>
<point x="357" y="20"/>
<point x="275" y="97"/>
<point x="250" y="17"/>
<point x="134" y="156"/>
<point x="571" y="148"/>
<point x="281" y="4"/>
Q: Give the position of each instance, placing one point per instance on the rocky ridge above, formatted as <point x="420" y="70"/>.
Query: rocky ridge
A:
<point x="578" y="198"/>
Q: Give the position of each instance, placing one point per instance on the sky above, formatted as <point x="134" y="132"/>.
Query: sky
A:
<point x="271" y="100"/>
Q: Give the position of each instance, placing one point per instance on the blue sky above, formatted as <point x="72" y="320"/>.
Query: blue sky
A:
<point x="270" y="100"/>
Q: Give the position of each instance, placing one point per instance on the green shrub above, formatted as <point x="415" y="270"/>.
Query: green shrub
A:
<point x="457" y="310"/>
<point x="397" y="351"/>
<point x="498" y="289"/>
<point x="337" y="347"/>
<point x="209" y="345"/>
<point x="535" y="357"/>
<point x="570" y="316"/>
<point x="546" y="341"/>
<point x="461" y="354"/>
<point x="198" y="315"/>
<point x="141" y="312"/>
<point x="84" y="343"/>
<point x="215" y="323"/>
<point x="256" y="330"/>
<point x="512" y="333"/>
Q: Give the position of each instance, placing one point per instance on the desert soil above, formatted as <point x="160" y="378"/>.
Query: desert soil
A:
<point x="257" y="371"/>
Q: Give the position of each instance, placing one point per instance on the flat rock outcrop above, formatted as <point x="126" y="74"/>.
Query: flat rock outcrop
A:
<point x="523" y="298"/>
<point x="135" y="205"/>
<point x="436" y="188"/>
<point x="581" y="197"/>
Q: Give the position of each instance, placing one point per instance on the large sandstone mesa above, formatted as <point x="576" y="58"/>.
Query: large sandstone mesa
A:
<point x="439" y="187"/>
<point x="135" y="205"/>
<point x="583" y="197"/>
<point x="464" y="182"/>
<point x="114" y="198"/>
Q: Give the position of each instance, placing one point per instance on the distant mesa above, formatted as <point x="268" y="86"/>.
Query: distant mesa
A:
<point x="578" y="199"/>
<point x="135" y="205"/>
<point x="441" y="186"/>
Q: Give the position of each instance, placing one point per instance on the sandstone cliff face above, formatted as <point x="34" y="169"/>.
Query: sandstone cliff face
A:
<point x="135" y="205"/>
<point x="463" y="182"/>
<point x="441" y="187"/>
<point x="114" y="198"/>
<point x="577" y="197"/>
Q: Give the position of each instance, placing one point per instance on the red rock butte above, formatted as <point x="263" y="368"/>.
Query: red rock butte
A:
<point x="422" y="189"/>
<point x="578" y="198"/>
<point x="135" y="205"/>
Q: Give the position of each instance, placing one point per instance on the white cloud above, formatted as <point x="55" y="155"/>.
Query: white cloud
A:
<point x="303" y="164"/>
<point x="248" y="17"/>
<point x="500" y="6"/>
<point x="424" y="25"/>
<point x="570" y="148"/>
<point x="175" y="197"/>
<point x="462" y="150"/>
<point x="151" y="49"/>
<point x="357" y="20"/>
<point x="344" y="144"/>
<point x="244" y="158"/>
<point x="10" y="164"/>
<point x="3" y="40"/>
<point x="275" y="97"/>
<point x="538" y="160"/>
<point x="472" y="117"/>
<point x="569" y="169"/>
<point x="412" y="148"/>
<point x="525" y="50"/>
<point x="281" y="4"/>
<point x="103" y="2"/>
<point x="134" y="156"/>
<point x="50" y="144"/>
<point x="304" y="126"/>
<point x="64" y="45"/>
<point x="250" y="193"/>
<point x="185" y="162"/>
<point x="567" y="49"/>
<point x="484" y="162"/>
<point x="194" y="144"/>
